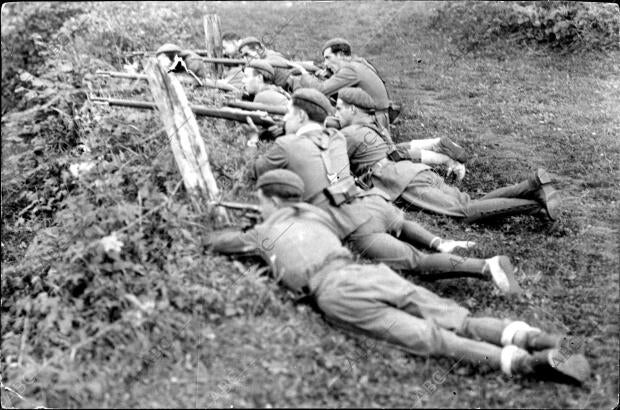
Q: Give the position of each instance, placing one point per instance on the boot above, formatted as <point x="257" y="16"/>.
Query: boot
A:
<point x="524" y="189"/>
<point x="547" y="364"/>
<point x="453" y="150"/>
<point x="549" y="197"/>
<point x="499" y="207"/>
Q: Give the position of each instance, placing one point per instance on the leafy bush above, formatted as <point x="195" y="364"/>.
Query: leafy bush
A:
<point x="563" y="26"/>
<point x="26" y="30"/>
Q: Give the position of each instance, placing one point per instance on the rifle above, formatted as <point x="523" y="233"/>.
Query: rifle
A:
<point x="239" y="206"/>
<point x="252" y="106"/>
<point x="308" y="65"/>
<point x="233" y="114"/>
<point x="250" y="211"/>
<point x="206" y="82"/>
<point x="119" y="74"/>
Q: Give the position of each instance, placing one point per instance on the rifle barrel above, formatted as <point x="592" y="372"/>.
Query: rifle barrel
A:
<point x="120" y="74"/>
<point x="205" y="82"/>
<point x="223" y="61"/>
<point x="252" y="106"/>
<point x="226" y="113"/>
<point x="308" y="65"/>
<point x="240" y="206"/>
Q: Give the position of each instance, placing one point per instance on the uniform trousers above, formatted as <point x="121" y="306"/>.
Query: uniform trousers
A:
<point x="374" y="300"/>
<point x="428" y="191"/>
<point x="388" y="237"/>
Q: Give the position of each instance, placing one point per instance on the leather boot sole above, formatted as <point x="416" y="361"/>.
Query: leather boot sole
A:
<point x="543" y="177"/>
<point x="551" y="199"/>
<point x="552" y="365"/>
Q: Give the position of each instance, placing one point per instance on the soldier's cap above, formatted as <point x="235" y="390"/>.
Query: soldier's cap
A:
<point x="262" y="66"/>
<point x="305" y="97"/>
<point x="334" y="42"/>
<point x="248" y="41"/>
<point x="168" y="48"/>
<point x="281" y="180"/>
<point x="358" y="97"/>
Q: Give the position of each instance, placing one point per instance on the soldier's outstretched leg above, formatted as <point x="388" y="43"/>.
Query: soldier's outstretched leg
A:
<point x="429" y="192"/>
<point x="537" y="186"/>
<point x="374" y="300"/>
<point x="404" y="257"/>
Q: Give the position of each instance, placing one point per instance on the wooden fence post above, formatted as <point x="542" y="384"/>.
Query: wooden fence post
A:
<point x="213" y="40"/>
<point x="184" y="135"/>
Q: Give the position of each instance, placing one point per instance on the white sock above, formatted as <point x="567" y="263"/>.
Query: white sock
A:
<point x="511" y="330"/>
<point x="509" y="354"/>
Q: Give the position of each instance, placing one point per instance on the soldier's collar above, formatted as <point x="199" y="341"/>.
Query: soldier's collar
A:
<point x="313" y="126"/>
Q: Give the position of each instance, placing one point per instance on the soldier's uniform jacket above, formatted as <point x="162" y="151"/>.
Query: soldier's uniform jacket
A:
<point x="272" y="95"/>
<point x="367" y="152"/>
<point x="297" y="241"/>
<point x="355" y="73"/>
<point x="299" y="244"/>
<point x="277" y="60"/>
<point x="301" y="153"/>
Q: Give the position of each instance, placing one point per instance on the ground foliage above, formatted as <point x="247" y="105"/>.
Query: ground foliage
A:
<point x="562" y="26"/>
<point x="109" y="298"/>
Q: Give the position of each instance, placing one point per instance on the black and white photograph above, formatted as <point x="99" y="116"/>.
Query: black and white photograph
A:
<point x="310" y="204"/>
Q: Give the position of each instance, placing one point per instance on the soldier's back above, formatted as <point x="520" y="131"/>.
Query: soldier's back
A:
<point x="370" y="82"/>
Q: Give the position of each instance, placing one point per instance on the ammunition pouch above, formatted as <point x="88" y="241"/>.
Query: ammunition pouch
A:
<point x="399" y="153"/>
<point x="341" y="192"/>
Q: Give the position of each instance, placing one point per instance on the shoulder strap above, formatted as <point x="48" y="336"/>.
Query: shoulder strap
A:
<point x="322" y="143"/>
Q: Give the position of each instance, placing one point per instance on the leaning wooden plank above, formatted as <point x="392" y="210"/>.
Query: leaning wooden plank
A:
<point x="184" y="135"/>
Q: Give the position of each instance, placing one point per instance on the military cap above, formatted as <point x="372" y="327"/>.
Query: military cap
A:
<point x="262" y="66"/>
<point x="168" y="48"/>
<point x="247" y="41"/>
<point x="287" y="180"/>
<point x="305" y="97"/>
<point x="334" y="42"/>
<point x="358" y="97"/>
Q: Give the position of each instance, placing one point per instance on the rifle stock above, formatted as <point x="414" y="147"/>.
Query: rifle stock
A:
<point x="232" y="114"/>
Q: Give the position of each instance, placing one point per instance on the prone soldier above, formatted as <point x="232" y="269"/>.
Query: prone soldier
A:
<point x="349" y="72"/>
<point x="251" y="48"/>
<point x="300" y="243"/>
<point x="259" y="83"/>
<point x="415" y="183"/>
<point x="372" y="226"/>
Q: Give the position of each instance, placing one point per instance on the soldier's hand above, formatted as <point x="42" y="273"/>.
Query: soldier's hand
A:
<point x="297" y="67"/>
<point x="457" y="169"/>
<point x="251" y="131"/>
<point x="448" y="245"/>
<point x="323" y="74"/>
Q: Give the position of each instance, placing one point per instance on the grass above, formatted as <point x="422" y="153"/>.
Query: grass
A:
<point x="219" y="334"/>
